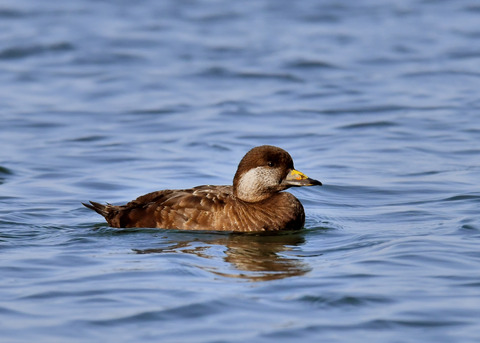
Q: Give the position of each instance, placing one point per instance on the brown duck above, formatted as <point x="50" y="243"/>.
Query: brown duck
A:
<point x="254" y="202"/>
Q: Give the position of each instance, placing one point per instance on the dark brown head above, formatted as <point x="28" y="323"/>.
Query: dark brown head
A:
<point x="266" y="170"/>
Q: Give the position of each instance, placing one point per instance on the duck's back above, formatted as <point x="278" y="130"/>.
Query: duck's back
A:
<point x="207" y="208"/>
<point x="186" y="209"/>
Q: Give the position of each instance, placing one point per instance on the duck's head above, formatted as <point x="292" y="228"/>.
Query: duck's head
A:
<point x="266" y="170"/>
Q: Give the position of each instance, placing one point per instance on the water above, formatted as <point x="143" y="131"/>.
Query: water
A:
<point x="106" y="100"/>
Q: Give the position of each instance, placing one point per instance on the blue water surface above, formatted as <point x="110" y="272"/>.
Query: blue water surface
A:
<point x="108" y="100"/>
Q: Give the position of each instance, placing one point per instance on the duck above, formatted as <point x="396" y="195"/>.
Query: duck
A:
<point x="255" y="202"/>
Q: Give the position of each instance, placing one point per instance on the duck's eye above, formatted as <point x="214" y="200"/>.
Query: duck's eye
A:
<point x="270" y="164"/>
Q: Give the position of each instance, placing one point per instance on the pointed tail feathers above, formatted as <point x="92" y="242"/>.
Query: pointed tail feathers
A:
<point x="97" y="207"/>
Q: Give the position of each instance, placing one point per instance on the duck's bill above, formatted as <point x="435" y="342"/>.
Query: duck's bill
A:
<point x="298" y="179"/>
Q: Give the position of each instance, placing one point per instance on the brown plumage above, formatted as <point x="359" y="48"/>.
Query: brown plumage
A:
<point x="254" y="202"/>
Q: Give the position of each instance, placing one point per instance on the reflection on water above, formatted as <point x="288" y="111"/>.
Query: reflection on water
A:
<point x="253" y="257"/>
<point x="4" y="172"/>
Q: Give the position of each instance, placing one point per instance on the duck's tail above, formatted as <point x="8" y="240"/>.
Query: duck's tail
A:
<point x="97" y="207"/>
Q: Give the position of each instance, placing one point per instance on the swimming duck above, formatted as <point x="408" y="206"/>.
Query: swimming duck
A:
<point x="255" y="202"/>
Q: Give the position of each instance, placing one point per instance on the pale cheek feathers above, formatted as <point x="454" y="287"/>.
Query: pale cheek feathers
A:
<point x="255" y="183"/>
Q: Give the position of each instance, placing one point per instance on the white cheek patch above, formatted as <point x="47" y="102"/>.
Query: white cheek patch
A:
<point x="249" y="181"/>
<point x="256" y="181"/>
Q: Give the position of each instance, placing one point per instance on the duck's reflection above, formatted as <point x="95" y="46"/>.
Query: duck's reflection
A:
<point x="253" y="257"/>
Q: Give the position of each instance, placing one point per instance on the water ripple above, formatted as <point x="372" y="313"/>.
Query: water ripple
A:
<point x="27" y="51"/>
